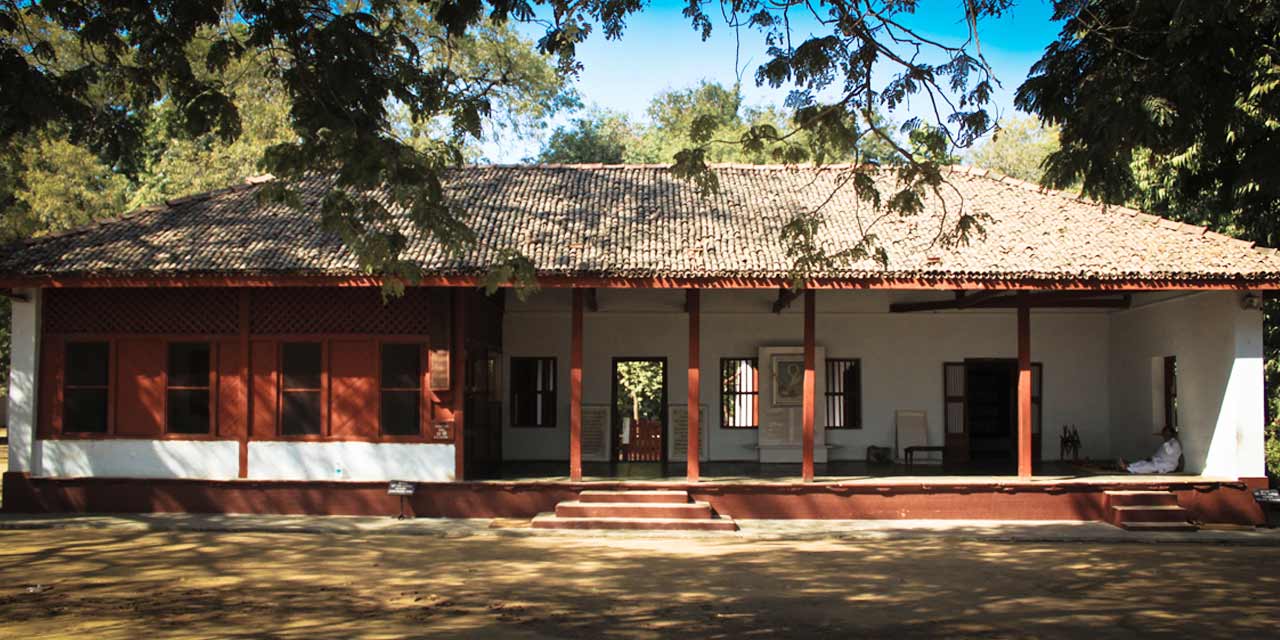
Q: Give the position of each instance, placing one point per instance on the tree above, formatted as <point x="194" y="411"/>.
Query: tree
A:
<point x="349" y="67"/>
<point x="56" y="174"/>
<point x="54" y="185"/>
<point x="1018" y="149"/>
<point x="641" y="383"/>
<point x="1174" y="106"/>
<point x="597" y="136"/>
<point x="603" y="136"/>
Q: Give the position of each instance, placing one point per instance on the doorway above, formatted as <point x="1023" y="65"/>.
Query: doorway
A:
<point x="639" y="423"/>
<point x="993" y="411"/>
<point x="981" y="401"/>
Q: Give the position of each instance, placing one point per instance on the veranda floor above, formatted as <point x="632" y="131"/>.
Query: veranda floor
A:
<point x="842" y="472"/>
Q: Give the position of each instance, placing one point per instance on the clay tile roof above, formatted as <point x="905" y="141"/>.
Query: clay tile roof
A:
<point x="641" y="222"/>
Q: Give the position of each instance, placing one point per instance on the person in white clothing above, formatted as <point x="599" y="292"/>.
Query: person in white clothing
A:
<point x="1164" y="460"/>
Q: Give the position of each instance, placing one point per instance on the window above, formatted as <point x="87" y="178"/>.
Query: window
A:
<point x="300" y="385"/>
<point x="739" y="393"/>
<point x="187" y="390"/>
<point x="84" y="397"/>
<point x="533" y="392"/>
<point x="401" y="389"/>
<point x="1171" y="392"/>
<point x="844" y="393"/>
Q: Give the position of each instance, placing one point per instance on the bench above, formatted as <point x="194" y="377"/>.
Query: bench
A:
<point x="910" y="452"/>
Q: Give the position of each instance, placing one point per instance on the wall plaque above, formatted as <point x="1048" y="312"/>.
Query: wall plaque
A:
<point x="438" y="362"/>
<point x="678" y="429"/>
<point x="775" y="427"/>
<point x="442" y="432"/>
<point x="595" y="432"/>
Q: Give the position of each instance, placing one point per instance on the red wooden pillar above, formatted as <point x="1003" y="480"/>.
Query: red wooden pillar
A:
<point x="1024" y="392"/>
<point x="575" y="391"/>
<point x="693" y="306"/>
<point x="243" y="302"/>
<point x="458" y="379"/>
<point x="810" y="388"/>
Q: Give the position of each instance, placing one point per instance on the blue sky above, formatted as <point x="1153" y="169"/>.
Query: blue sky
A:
<point x="659" y="50"/>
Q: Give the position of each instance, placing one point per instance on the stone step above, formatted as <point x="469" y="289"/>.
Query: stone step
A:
<point x="552" y="521"/>
<point x="578" y="509"/>
<point x="1159" y="526"/>
<point x="667" y="496"/>
<point x="1144" y="513"/>
<point x="1141" y="498"/>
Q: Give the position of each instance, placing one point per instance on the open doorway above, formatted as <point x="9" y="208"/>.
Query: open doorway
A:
<point x="639" y="417"/>
<point x="993" y="411"/>
<point x="981" y="400"/>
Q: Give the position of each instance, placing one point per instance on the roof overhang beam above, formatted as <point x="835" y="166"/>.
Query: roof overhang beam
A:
<point x="1043" y="300"/>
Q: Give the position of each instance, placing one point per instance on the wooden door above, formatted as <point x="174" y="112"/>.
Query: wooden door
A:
<point x="955" y="417"/>
<point x="483" y="411"/>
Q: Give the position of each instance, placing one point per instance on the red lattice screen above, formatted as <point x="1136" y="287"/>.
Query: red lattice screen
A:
<point x="310" y="310"/>
<point x="193" y="311"/>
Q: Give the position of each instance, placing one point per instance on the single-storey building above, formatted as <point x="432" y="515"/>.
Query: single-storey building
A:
<point x="220" y="354"/>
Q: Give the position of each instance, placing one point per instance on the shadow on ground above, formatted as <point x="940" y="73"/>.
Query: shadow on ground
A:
<point x="117" y="584"/>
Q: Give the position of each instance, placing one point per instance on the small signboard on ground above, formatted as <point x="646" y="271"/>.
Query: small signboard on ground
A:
<point x="400" y="488"/>
<point x="1269" y="500"/>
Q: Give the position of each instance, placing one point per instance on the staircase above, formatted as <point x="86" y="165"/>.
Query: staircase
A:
<point x="1147" y="511"/>
<point x="634" y="510"/>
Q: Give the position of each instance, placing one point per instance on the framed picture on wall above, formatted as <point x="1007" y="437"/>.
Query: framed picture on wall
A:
<point x="788" y="380"/>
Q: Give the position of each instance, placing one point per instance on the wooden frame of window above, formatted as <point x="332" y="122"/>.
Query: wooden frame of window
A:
<point x="548" y="393"/>
<point x="843" y="397"/>
<point x="737" y="393"/>
<point x="69" y="387"/>
<point x="234" y="412"/>
<point x="420" y="391"/>
<point x="322" y="390"/>
<point x="210" y="387"/>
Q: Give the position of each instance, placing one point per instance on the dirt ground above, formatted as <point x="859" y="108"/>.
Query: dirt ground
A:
<point x="122" y="584"/>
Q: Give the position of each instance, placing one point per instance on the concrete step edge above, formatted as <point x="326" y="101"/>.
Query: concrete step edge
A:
<point x="1159" y="526"/>
<point x="646" y="493"/>
<point x="637" y="505"/>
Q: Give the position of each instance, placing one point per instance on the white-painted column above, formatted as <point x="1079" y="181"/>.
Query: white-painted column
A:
<point x="1246" y="396"/>
<point x="23" y="376"/>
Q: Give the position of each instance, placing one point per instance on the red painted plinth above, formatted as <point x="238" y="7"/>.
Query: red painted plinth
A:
<point x="1213" y="502"/>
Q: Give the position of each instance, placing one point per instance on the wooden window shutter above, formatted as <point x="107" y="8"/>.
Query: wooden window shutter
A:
<point x="954" y="396"/>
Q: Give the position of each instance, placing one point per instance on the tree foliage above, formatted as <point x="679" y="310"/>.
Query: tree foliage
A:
<point x="111" y="148"/>
<point x="1018" y="149"/>
<point x="596" y="136"/>
<point x="1173" y="106"/>
<point x="360" y="74"/>
<point x="720" y="114"/>
<point x="640" y="383"/>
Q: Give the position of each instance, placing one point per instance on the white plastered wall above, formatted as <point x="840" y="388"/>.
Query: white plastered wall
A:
<point x="170" y="459"/>
<point x="1218" y="346"/>
<point x="901" y="354"/>
<point x="351" y="461"/>
<point x="24" y="361"/>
